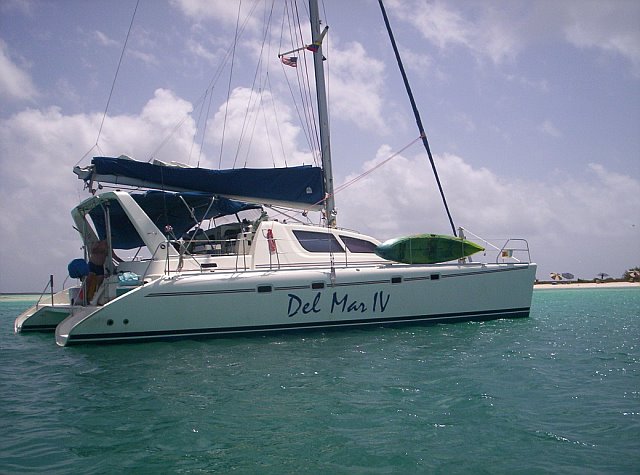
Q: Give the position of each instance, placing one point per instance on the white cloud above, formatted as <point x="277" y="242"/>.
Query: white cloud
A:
<point x="23" y="6"/>
<point x="15" y="82"/>
<point x="262" y="125"/>
<point x="419" y="62"/>
<point x="201" y="51"/>
<point x="608" y="26"/>
<point x="465" y="121"/>
<point x="222" y="10"/>
<point x="104" y="40"/>
<point x="356" y="83"/>
<point x="540" y="85"/>
<point x="142" y="40"/>
<point x="500" y="31"/>
<point x="38" y="149"/>
<point x="548" y="128"/>
<point x="599" y="212"/>
<point x="490" y="33"/>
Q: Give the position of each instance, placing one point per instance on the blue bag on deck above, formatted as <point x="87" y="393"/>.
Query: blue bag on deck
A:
<point x="78" y="268"/>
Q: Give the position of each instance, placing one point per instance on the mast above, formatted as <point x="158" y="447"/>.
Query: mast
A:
<point x="423" y="134"/>
<point x="323" y="115"/>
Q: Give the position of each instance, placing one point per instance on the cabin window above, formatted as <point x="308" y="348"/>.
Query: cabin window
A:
<point x="313" y="241"/>
<point x="358" y="245"/>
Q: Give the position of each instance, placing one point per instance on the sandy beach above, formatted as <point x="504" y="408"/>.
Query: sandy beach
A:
<point x="585" y="285"/>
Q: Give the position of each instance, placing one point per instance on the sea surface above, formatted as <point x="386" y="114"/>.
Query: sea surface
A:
<point x="558" y="392"/>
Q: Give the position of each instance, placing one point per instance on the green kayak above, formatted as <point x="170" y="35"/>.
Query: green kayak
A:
<point x="426" y="249"/>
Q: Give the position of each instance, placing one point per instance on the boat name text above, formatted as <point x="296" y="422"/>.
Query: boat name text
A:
<point x="339" y="304"/>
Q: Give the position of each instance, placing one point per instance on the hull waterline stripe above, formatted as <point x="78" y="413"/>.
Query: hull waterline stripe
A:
<point x="226" y="331"/>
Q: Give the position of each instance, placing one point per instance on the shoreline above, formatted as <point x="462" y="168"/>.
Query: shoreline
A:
<point x="19" y="296"/>
<point x="585" y="285"/>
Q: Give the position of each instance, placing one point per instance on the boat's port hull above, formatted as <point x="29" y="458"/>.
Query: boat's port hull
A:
<point x="43" y="318"/>
<point x="214" y="305"/>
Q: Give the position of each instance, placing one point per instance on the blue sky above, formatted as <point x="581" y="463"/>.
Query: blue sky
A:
<point x="532" y="110"/>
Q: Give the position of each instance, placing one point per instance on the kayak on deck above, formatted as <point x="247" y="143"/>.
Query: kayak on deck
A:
<point x="426" y="249"/>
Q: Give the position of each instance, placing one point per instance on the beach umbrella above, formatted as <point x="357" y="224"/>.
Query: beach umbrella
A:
<point x="567" y="275"/>
<point x="555" y="276"/>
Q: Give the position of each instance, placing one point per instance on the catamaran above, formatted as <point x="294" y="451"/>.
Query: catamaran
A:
<point x="256" y="274"/>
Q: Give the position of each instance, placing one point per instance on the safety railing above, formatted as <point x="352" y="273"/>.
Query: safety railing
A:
<point x="513" y="250"/>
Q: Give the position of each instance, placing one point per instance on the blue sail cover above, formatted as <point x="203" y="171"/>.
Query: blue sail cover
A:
<point x="164" y="209"/>
<point x="301" y="186"/>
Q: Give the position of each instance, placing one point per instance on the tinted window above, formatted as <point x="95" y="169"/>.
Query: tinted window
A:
<point x="318" y="242"/>
<point x="358" y="245"/>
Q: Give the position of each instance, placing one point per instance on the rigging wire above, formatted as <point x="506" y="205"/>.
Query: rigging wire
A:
<point x="303" y="103"/>
<point x="305" y="88"/>
<point x="347" y="184"/>
<point x="260" y="88"/>
<point x="374" y="168"/>
<point x="226" y="109"/>
<point x="275" y="113"/>
<point x="266" y="128"/>
<point x="113" y="84"/>
<point x="193" y="142"/>
<point x="423" y="135"/>
<point x="212" y="84"/>
<point x="204" y="130"/>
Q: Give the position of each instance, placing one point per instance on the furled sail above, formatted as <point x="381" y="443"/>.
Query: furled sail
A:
<point x="299" y="187"/>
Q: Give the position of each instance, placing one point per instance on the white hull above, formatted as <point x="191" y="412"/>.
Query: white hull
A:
<point x="219" y="304"/>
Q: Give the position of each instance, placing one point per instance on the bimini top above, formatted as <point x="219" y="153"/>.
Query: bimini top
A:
<point x="299" y="187"/>
<point x="181" y="211"/>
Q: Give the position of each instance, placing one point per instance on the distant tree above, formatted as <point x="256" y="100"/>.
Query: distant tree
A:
<point x="632" y="275"/>
<point x="602" y="275"/>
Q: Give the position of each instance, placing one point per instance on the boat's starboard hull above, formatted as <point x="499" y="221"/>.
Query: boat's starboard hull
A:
<point x="263" y="302"/>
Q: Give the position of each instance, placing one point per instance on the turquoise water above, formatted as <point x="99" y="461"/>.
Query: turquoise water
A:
<point x="558" y="392"/>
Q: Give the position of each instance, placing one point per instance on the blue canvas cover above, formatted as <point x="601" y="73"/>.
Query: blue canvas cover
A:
<point x="301" y="185"/>
<point x="163" y="208"/>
